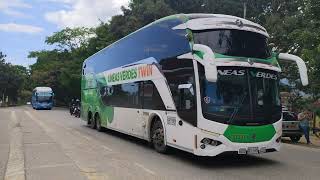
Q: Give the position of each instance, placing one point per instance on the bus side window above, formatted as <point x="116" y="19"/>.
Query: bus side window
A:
<point x="151" y="97"/>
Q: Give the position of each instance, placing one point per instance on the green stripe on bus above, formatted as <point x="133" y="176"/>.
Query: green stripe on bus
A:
<point x="200" y="54"/>
<point x="249" y="134"/>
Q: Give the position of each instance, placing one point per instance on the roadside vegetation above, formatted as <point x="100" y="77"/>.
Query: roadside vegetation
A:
<point x="294" y="27"/>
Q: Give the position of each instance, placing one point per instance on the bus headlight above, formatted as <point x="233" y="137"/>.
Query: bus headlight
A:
<point x="208" y="141"/>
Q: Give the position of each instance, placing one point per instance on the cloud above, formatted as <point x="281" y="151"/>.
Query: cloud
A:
<point x="22" y="28"/>
<point x="86" y="13"/>
<point x="9" y="7"/>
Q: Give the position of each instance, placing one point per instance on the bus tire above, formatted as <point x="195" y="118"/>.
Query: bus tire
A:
<point x="157" y="137"/>
<point x="90" y="121"/>
<point x="98" y="123"/>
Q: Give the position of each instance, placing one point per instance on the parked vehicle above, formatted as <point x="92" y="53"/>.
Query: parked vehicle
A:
<point x="290" y="126"/>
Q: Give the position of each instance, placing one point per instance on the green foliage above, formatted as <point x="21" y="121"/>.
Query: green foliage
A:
<point x="293" y="25"/>
<point x="12" y="80"/>
<point x="70" y="39"/>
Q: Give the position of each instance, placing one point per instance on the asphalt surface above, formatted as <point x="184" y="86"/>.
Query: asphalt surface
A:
<point x="59" y="146"/>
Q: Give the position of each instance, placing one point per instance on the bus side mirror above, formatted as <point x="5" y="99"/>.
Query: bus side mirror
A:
<point x="187" y="87"/>
<point x="300" y="63"/>
<point x="210" y="67"/>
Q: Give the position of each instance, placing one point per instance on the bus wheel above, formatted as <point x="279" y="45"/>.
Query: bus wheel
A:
<point x="98" y="123"/>
<point x="91" y="122"/>
<point x="158" y="137"/>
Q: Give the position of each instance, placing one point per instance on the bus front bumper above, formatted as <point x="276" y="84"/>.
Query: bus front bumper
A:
<point x="43" y="105"/>
<point x="222" y="145"/>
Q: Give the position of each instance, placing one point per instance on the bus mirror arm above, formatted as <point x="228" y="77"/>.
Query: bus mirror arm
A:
<point x="210" y="67"/>
<point x="300" y="63"/>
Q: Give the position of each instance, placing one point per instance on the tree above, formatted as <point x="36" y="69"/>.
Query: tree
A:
<point x="293" y="26"/>
<point x="70" y="39"/>
<point x="12" y="80"/>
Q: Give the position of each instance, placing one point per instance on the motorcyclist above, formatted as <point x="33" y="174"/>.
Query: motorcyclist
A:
<point x="72" y="105"/>
<point x="77" y="108"/>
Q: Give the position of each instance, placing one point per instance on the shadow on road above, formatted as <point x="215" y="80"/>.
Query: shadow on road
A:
<point x="226" y="160"/>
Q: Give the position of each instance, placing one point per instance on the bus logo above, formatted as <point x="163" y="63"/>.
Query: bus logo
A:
<point x="145" y="71"/>
<point x="130" y="74"/>
<point x="207" y="99"/>
<point x="239" y="137"/>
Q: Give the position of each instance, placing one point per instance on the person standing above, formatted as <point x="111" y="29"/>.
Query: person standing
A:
<point x="304" y="126"/>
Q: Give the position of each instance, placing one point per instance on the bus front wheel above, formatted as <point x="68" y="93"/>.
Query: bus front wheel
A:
<point x="157" y="137"/>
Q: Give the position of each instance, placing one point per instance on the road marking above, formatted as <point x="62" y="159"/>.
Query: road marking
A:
<point x="97" y="176"/>
<point x="45" y="128"/>
<point x="51" y="166"/>
<point x="106" y="148"/>
<point x="36" y="144"/>
<point x="15" y="167"/>
<point x="91" y="174"/>
<point x="84" y="136"/>
<point x="144" y="168"/>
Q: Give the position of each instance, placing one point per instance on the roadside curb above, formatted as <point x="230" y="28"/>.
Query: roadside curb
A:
<point x="15" y="167"/>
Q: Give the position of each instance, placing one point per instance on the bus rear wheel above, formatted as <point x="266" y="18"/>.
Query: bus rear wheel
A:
<point x="91" y="123"/>
<point x="157" y="137"/>
<point x="98" y="123"/>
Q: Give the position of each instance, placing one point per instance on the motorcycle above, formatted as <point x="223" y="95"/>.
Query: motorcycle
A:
<point x="74" y="108"/>
<point x="77" y="111"/>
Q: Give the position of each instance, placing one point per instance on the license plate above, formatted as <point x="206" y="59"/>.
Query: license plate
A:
<point x="253" y="150"/>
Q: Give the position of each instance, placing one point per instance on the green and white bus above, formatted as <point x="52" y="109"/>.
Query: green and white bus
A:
<point x="201" y="83"/>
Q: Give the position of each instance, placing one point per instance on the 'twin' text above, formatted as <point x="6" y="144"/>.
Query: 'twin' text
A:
<point x="129" y="74"/>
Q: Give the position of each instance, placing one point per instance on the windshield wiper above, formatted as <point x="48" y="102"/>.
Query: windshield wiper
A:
<point x="236" y="109"/>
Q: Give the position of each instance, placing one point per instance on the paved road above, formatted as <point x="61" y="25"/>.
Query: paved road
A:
<point x="58" y="146"/>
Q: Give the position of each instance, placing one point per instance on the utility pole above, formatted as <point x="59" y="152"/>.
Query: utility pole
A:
<point x="244" y="9"/>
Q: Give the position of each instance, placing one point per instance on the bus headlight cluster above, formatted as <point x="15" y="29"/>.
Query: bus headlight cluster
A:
<point x="208" y="141"/>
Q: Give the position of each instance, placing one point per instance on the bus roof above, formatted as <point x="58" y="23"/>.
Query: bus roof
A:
<point x="220" y="21"/>
<point x="43" y="89"/>
<point x="189" y="17"/>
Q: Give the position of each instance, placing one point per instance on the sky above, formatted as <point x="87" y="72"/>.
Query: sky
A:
<point x="25" y="24"/>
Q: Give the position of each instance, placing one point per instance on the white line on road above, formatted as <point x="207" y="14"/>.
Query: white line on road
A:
<point x="15" y="166"/>
<point x="106" y="148"/>
<point x="144" y="168"/>
<point x="80" y="134"/>
<point x="92" y="174"/>
<point x="51" y="166"/>
<point x="37" y="144"/>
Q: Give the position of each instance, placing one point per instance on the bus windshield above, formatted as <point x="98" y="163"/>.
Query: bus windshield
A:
<point x="234" y="42"/>
<point x="241" y="96"/>
<point x="44" y="96"/>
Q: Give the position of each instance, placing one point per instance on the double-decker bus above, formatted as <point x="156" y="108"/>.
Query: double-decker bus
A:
<point x="201" y="83"/>
<point x="42" y="98"/>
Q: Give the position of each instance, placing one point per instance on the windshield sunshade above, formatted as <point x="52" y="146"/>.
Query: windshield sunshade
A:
<point x="234" y="43"/>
